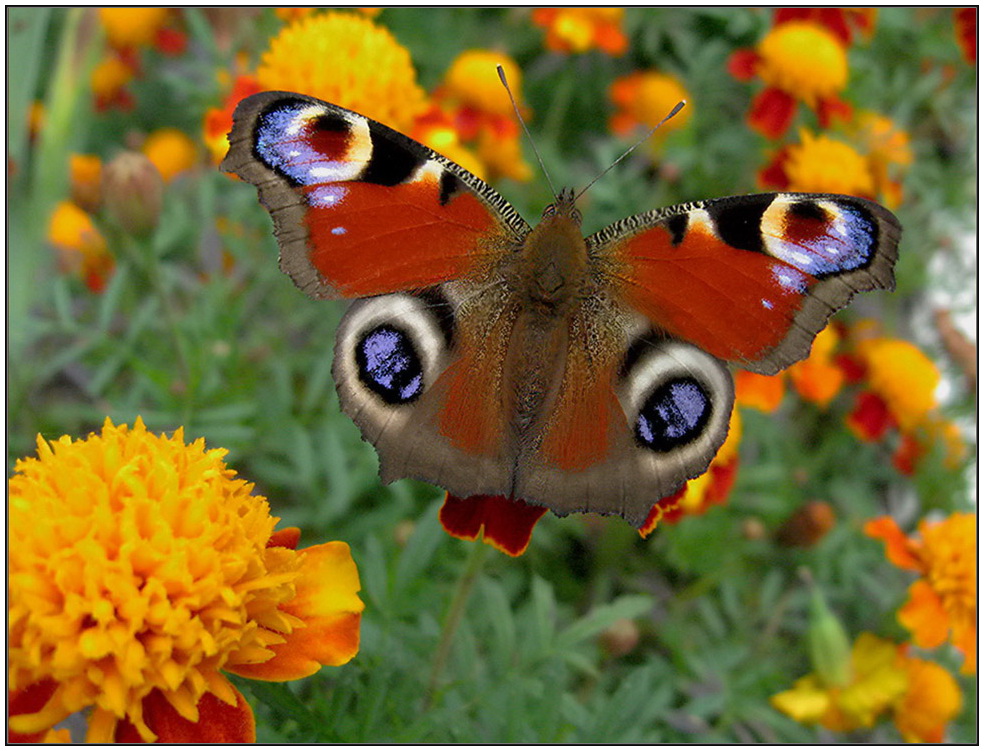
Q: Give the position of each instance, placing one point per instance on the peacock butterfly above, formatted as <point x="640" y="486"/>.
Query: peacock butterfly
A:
<point x="495" y="359"/>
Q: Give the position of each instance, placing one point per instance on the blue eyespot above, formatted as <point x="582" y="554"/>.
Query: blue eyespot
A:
<point x="389" y="365"/>
<point x="674" y="414"/>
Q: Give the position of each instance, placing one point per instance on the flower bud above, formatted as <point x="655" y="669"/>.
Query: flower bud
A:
<point x="620" y="638"/>
<point x="807" y="526"/>
<point x="133" y="192"/>
<point x="830" y="649"/>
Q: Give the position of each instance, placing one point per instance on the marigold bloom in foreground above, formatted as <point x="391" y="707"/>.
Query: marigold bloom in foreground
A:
<point x="645" y="98"/>
<point x="798" y="60"/>
<point x="580" y="29"/>
<point x="347" y="60"/>
<point x="943" y="601"/>
<point x="139" y="569"/>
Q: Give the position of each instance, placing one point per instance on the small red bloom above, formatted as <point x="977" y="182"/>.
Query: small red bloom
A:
<point x="870" y="419"/>
<point x="966" y="23"/>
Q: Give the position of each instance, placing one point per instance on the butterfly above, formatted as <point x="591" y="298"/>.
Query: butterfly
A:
<point x="489" y="357"/>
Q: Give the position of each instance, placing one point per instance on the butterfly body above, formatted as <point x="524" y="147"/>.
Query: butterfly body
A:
<point x="492" y="358"/>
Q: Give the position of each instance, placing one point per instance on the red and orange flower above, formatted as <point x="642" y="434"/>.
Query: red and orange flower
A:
<point x="581" y="29"/>
<point x="799" y="61"/>
<point x="140" y="571"/>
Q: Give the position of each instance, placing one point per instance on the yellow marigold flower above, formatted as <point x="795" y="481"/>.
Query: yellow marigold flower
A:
<point x="646" y="97"/>
<point x="818" y="378"/>
<point x="878" y="678"/>
<point x="803" y="59"/>
<point x="943" y="601"/>
<point x="929" y="704"/>
<point x="81" y="246"/>
<point x="291" y="14"/>
<point x="580" y="29"/>
<point x="472" y="80"/>
<point x="819" y="164"/>
<point x="171" y="151"/>
<point x="903" y="377"/>
<point x="348" y="60"/>
<point x="85" y="172"/>
<point x="132" y="27"/>
<point x="139" y="569"/>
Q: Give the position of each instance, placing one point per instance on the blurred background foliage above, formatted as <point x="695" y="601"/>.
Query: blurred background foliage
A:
<point x="594" y="634"/>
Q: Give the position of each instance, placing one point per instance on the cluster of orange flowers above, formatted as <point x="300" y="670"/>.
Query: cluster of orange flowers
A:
<point x="804" y="58"/>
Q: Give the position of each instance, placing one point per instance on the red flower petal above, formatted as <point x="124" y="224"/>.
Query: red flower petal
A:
<point x="29" y="701"/>
<point x="966" y="22"/>
<point x="772" y="112"/>
<point x="899" y="549"/>
<point x="773" y="175"/>
<point x="288" y="537"/>
<point x="665" y="509"/>
<point x="907" y="455"/>
<point x="505" y="524"/>
<point x="722" y="481"/>
<point x="831" y="109"/>
<point x="852" y="367"/>
<point x="870" y="419"/>
<point x="218" y="722"/>
<point x="170" y="41"/>
<point x="742" y="64"/>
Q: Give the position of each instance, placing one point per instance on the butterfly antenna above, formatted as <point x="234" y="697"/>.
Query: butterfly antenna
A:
<point x="519" y="116"/>
<point x="679" y="106"/>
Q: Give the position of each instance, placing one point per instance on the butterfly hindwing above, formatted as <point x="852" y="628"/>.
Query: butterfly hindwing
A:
<point x="751" y="279"/>
<point x="358" y="208"/>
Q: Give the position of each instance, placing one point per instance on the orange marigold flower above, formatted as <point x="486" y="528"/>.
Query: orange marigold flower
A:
<point x="965" y="20"/>
<point x="645" y="98"/>
<point x="943" y="601"/>
<point x="348" y="60"/>
<point x="798" y="61"/>
<point x="292" y="14"/>
<point x="904" y="377"/>
<point x="758" y="391"/>
<point x="171" y="151"/>
<point x="820" y="164"/>
<point x="472" y="81"/>
<point x="581" y="29"/>
<point x="133" y="27"/>
<point x="85" y="178"/>
<point x="140" y="569"/>
<point x="818" y="378"/>
<point x="888" y="152"/>
<point x="81" y="246"/>
<point x="930" y="702"/>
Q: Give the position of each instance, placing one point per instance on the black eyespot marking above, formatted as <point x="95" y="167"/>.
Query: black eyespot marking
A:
<point x="389" y="365"/>
<point x="391" y="163"/>
<point x="451" y="185"/>
<point x="674" y="415"/>
<point x="808" y="210"/>
<point x="677" y="225"/>
<point x="739" y="222"/>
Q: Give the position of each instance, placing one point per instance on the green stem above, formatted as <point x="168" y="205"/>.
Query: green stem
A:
<point x="456" y="610"/>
